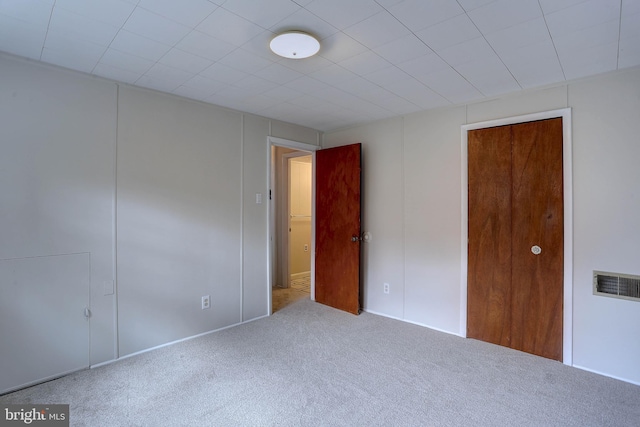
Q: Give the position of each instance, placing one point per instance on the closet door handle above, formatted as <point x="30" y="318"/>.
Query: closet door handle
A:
<point x="536" y="250"/>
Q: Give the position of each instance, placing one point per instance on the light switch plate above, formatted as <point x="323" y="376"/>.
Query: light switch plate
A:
<point x="109" y="287"/>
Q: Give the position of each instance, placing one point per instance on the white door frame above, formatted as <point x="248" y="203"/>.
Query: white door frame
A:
<point x="271" y="218"/>
<point x="567" y="310"/>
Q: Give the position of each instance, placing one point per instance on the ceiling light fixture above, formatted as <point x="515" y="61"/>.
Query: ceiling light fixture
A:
<point x="295" y="45"/>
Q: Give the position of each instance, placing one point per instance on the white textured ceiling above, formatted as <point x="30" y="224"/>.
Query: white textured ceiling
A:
<point x="379" y="58"/>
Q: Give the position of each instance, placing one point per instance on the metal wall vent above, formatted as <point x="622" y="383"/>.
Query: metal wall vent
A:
<point x="616" y="285"/>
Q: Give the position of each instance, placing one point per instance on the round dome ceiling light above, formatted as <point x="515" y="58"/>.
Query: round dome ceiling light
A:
<point x="295" y="45"/>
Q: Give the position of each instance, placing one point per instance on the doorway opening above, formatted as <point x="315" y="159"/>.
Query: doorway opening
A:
<point x="291" y="223"/>
<point x="335" y="223"/>
<point x="293" y="209"/>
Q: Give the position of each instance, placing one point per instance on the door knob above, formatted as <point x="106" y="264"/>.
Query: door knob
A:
<point x="354" y="238"/>
<point x="535" y="249"/>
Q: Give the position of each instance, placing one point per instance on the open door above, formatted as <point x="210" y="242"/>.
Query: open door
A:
<point x="337" y="255"/>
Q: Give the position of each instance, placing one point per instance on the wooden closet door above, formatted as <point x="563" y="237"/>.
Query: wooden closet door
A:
<point x="537" y="220"/>
<point x="489" y="249"/>
<point x="515" y="296"/>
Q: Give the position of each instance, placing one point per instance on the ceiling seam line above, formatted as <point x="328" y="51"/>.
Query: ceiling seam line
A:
<point x="175" y="46"/>
<point x="619" y="34"/>
<point x="395" y="66"/>
<point x="494" y="51"/>
<point x="46" y="34"/>
<point x="354" y="95"/>
<point x="402" y="97"/>
<point x="555" y="49"/>
<point x="435" y="53"/>
<point x="114" y="37"/>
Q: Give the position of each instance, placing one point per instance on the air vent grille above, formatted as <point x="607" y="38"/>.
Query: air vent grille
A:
<point x="616" y="285"/>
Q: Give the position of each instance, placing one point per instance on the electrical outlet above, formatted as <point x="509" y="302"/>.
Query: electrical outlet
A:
<point x="206" y="302"/>
<point x="386" y="288"/>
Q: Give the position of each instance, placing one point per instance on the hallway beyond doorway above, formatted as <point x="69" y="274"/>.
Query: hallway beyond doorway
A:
<point x="299" y="289"/>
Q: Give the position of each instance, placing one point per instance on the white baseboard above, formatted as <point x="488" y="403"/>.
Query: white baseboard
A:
<point x="108" y="362"/>
<point x="299" y="275"/>
<point x="40" y="381"/>
<point x="413" y="323"/>
<point x="626" y="380"/>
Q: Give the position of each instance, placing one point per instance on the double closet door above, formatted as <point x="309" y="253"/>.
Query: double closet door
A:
<point x="516" y="244"/>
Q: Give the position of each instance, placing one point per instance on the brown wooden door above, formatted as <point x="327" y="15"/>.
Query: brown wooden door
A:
<point x="337" y="268"/>
<point x="514" y="296"/>
<point x="489" y="257"/>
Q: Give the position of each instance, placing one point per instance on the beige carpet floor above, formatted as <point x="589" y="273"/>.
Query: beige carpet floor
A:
<point x="311" y="365"/>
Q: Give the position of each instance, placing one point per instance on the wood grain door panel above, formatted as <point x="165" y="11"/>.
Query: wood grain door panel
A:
<point x="337" y="277"/>
<point x="489" y="249"/>
<point x="537" y="218"/>
<point x="515" y="297"/>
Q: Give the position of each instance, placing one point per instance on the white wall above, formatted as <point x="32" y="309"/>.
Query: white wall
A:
<point x="181" y="176"/>
<point x="432" y="218"/>
<point x="606" y="151"/>
<point x="179" y="199"/>
<point x="280" y="212"/>
<point x="255" y="291"/>
<point x="187" y="174"/>
<point x="412" y="207"/>
<point x="57" y="179"/>
<point x="300" y="195"/>
<point x="382" y="212"/>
